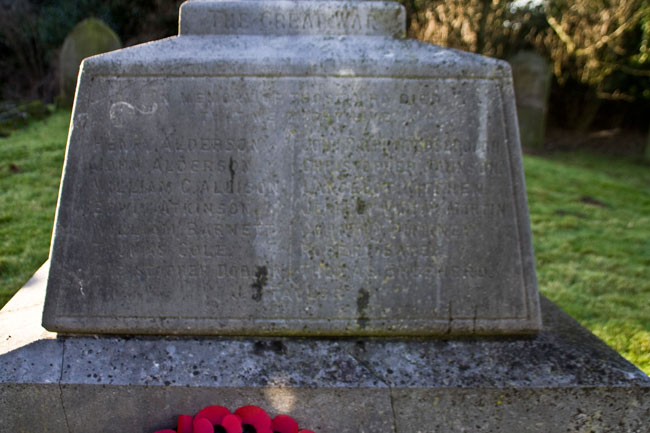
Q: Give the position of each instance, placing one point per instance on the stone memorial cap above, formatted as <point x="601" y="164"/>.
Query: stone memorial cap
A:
<point x="292" y="168"/>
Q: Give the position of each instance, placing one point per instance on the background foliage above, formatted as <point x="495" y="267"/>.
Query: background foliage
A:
<point x="32" y="33"/>
<point x="599" y="49"/>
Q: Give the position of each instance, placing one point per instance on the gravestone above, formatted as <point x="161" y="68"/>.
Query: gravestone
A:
<point x="91" y="36"/>
<point x="532" y="80"/>
<point x="297" y="168"/>
<point x="293" y="168"/>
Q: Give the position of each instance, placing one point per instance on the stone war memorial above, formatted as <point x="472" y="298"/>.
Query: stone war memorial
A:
<point x="290" y="205"/>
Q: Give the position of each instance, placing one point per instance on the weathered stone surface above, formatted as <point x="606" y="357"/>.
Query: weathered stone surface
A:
<point x="532" y="80"/>
<point x="280" y="17"/>
<point x="277" y="183"/>
<point x="563" y="379"/>
<point x="30" y="364"/>
<point x="31" y="407"/>
<point x="89" y="37"/>
<point x="562" y="409"/>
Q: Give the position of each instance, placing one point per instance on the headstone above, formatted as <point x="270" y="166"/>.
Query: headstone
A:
<point x="286" y="168"/>
<point x="292" y="168"/>
<point x="532" y="80"/>
<point x="89" y="37"/>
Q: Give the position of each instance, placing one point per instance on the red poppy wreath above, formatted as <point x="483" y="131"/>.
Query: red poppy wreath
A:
<point x="246" y="419"/>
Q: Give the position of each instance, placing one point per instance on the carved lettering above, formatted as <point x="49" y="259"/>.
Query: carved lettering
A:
<point x="320" y="181"/>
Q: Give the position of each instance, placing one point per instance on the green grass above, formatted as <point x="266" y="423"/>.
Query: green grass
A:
<point x="590" y="217"/>
<point x="30" y="170"/>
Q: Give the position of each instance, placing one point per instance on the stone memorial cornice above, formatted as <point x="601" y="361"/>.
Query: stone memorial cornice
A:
<point x="307" y="56"/>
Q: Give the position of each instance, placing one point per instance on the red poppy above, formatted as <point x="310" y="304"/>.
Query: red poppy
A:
<point x="232" y="424"/>
<point x="184" y="424"/>
<point x="246" y="419"/>
<point x="255" y="417"/>
<point x="214" y="414"/>
<point x="202" y="425"/>
<point x="284" y="424"/>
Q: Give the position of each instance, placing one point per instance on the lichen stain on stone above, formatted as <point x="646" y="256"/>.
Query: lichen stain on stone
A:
<point x="361" y="208"/>
<point x="362" y="304"/>
<point x="260" y="348"/>
<point x="362" y="300"/>
<point x="261" y="278"/>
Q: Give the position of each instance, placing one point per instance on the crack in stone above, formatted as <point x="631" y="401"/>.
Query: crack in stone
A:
<point x="379" y="379"/>
<point x="232" y="176"/>
<point x="65" y="414"/>
<point x="392" y="408"/>
<point x="367" y="367"/>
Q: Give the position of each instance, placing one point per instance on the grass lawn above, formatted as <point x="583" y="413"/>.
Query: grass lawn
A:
<point x="30" y="170"/>
<point x="590" y="216"/>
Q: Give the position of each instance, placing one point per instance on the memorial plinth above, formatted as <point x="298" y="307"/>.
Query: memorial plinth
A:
<point x="293" y="168"/>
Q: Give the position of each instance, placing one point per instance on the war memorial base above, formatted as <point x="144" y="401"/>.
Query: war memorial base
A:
<point x="563" y="380"/>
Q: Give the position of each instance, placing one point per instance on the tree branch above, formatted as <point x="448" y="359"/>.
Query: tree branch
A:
<point x="564" y="37"/>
